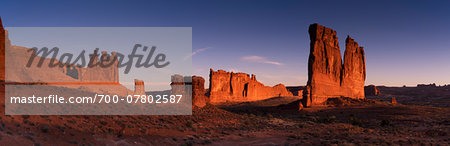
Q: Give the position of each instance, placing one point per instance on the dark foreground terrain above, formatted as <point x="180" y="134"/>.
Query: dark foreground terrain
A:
<point x="274" y="121"/>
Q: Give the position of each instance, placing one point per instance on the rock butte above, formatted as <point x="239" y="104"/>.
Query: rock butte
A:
<point x="371" y="90"/>
<point x="139" y="88"/>
<point x="178" y="85"/>
<point x="328" y="77"/>
<point x="240" y="87"/>
<point x="199" y="98"/>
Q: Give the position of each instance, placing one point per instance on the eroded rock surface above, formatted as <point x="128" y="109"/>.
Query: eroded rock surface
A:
<point x="327" y="76"/>
<point x="241" y="87"/>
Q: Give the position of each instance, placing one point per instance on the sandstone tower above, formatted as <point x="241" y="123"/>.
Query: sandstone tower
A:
<point x="327" y="76"/>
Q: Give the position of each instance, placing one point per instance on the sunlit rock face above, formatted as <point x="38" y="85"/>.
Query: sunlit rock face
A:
<point x="198" y="92"/>
<point x="328" y="76"/>
<point x="241" y="87"/>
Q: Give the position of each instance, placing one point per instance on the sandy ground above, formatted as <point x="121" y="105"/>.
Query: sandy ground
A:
<point x="268" y="122"/>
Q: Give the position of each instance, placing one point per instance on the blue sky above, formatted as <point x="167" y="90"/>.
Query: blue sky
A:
<point x="406" y="42"/>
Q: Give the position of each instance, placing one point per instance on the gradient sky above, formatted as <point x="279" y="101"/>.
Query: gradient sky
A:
<point x="406" y="42"/>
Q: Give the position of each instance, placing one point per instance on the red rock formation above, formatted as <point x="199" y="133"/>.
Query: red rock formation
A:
<point x="393" y="100"/>
<point x="3" y="36"/>
<point x="96" y="73"/>
<point x="327" y="76"/>
<point x="198" y="92"/>
<point x="300" y="93"/>
<point x="190" y="86"/>
<point x="139" y="88"/>
<point x="354" y="71"/>
<point x="300" y="106"/>
<point x="371" y="90"/>
<point x="240" y="87"/>
<point x="178" y="85"/>
<point x="296" y="90"/>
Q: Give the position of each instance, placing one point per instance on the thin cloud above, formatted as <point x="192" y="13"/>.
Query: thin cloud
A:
<point x="195" y="52"/>
<point x="260" y="59"/>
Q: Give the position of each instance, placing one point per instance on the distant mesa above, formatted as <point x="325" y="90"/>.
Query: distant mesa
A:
<point x="240" y="87"/>
<point x="328" y="76"/>
<point x="426" y="85"/>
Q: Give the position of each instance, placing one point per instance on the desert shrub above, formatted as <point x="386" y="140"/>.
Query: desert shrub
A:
<point x="355" y="121"/>
<point x="269" y="116"/>
<point x="434" y="133"/>
<point x="25" y="116"/>
<point x="329" y="119"/>
<point x="385" y="123"/>
<point x="45" y="128"/>
<point x="189" y="124"/>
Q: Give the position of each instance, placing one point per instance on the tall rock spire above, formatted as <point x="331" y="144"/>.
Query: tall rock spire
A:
<point x="328" y="76"/>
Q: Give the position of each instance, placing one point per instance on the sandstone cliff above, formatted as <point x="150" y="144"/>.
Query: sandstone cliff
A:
<point x="240" y="87"/>
<point x="96" y="79"/>
<point x="327" y="75"/>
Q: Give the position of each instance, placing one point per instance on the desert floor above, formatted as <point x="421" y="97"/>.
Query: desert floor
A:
<point x="374" y="121"/>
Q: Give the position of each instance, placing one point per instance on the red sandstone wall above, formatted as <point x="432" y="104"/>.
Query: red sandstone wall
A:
<point x="240" y="87"/>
